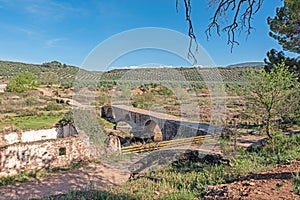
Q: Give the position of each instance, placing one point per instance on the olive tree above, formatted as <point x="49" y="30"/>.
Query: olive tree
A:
<point x="49" y="78"/>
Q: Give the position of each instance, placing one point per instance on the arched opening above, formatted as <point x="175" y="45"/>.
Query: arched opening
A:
<point x="153" y="130"/>
<point x="127" y="117"/>
<point x="110" y="113"/>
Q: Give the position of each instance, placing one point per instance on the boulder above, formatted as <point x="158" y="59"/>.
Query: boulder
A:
<point x="113" y="145"/>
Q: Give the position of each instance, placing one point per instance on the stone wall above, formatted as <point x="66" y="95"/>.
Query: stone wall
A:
<point x="27" y="136"/>
<point x="37" y="155"/>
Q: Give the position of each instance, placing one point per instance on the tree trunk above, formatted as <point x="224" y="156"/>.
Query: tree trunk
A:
<point x="268" y="127"/>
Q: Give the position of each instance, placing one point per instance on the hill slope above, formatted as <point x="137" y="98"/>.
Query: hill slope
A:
<point x="66" y="73"/>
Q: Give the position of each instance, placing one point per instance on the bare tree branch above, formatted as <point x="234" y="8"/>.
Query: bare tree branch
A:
<point x="188" y="9"/>
<point x="242" y="11"/>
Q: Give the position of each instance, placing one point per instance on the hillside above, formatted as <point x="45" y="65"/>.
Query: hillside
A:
<point x="66" y="74"/>
<point x="247" y="64"/>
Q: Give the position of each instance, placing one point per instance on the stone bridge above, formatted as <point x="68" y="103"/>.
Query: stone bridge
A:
<point x="146" y="124"/>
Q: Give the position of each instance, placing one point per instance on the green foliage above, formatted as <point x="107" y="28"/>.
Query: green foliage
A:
<point x="53" y="63"/>
<point x="66" y="83"/>
<point x="104" y="99"/>
<point x="49" y="78"/>
<point x="23" y="82"/>
<point x="279" y="185"/>
<point x="276" y="58"/>
<point x="30" y="101"/>
<point x="87" y="123"/>
<point x="25" y="113"/>
<point x="281" y="148"/>
<point x="54" y="107"/>
<point x="271" y="95"/>
<point x="135" y="104"/>
<point x="31" y="122"/>
<point x="66" y="74"/>
<point x="296" y="183"/>
<point x="23" y="176"/>
<point x="285" y="26"/>
<point x="67" y="119"/>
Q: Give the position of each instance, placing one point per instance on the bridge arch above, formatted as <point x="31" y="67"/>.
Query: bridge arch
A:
<point x="107" y="112"/>
<point x="128" y="117"/>
<point x="152" y="129"/>
<point x="110" y="113"/>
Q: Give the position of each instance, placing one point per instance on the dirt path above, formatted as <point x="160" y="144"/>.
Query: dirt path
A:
<point x="62" y="182"/>
<point x="45" y="91"/>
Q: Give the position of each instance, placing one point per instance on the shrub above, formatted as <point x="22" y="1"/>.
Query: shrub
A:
<point x="25" y="113"/>
<point x="30" y="101"/>
<point x="23" y="82"/>
<point x="54" y="106"/>
<point x="296" y="183"/>
<point x="135" y="104"/>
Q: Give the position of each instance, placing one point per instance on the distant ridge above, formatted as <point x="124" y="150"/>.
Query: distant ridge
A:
<point x="247" y="64"/>
<point x="67" y="75"/>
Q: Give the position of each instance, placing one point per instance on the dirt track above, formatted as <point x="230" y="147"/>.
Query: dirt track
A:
<point x="62" y="182"/>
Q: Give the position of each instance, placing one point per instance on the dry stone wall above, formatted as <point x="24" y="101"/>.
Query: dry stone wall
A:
<point x="37" y="155"/>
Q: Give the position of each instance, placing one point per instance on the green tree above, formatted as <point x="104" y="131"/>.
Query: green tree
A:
<point x="271" y="96"/>
<point x="23" y="82"/>
<point x="49" y="78"/>
<point x="275" y="58"/>
<point x="285" y="26"/>
<point x="53" y="63"/>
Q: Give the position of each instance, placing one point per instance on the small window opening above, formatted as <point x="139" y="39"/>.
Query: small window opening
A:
<point x="62" y="151"/>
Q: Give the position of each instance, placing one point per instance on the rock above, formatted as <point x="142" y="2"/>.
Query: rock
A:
<point x="245" y="193"/>
<point x="113" y="145"/>
<point x="251" y="183"/>
<point x="210" y="188"/>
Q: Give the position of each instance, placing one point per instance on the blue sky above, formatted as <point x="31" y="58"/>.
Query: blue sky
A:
<point x="37" y="31"/>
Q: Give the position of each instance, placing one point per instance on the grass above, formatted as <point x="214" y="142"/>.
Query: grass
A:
<point x="31" y="122"/>
<point x="105" y="124"/>
<point x="296" y="183"/>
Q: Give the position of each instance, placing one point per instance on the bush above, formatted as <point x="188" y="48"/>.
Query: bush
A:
<point x="280" y="149"/>
<point x="135" y="104"/>
<point x="23" y="82"/>
<point x="296" y="183"/>
<point x="54" y="106"/>
<point x="25" y="113"/>
<point x="30" y="101"/>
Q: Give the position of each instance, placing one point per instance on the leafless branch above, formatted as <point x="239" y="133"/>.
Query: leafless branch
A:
<point x="242" y="14"/>
<point x="188" y="9"/>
